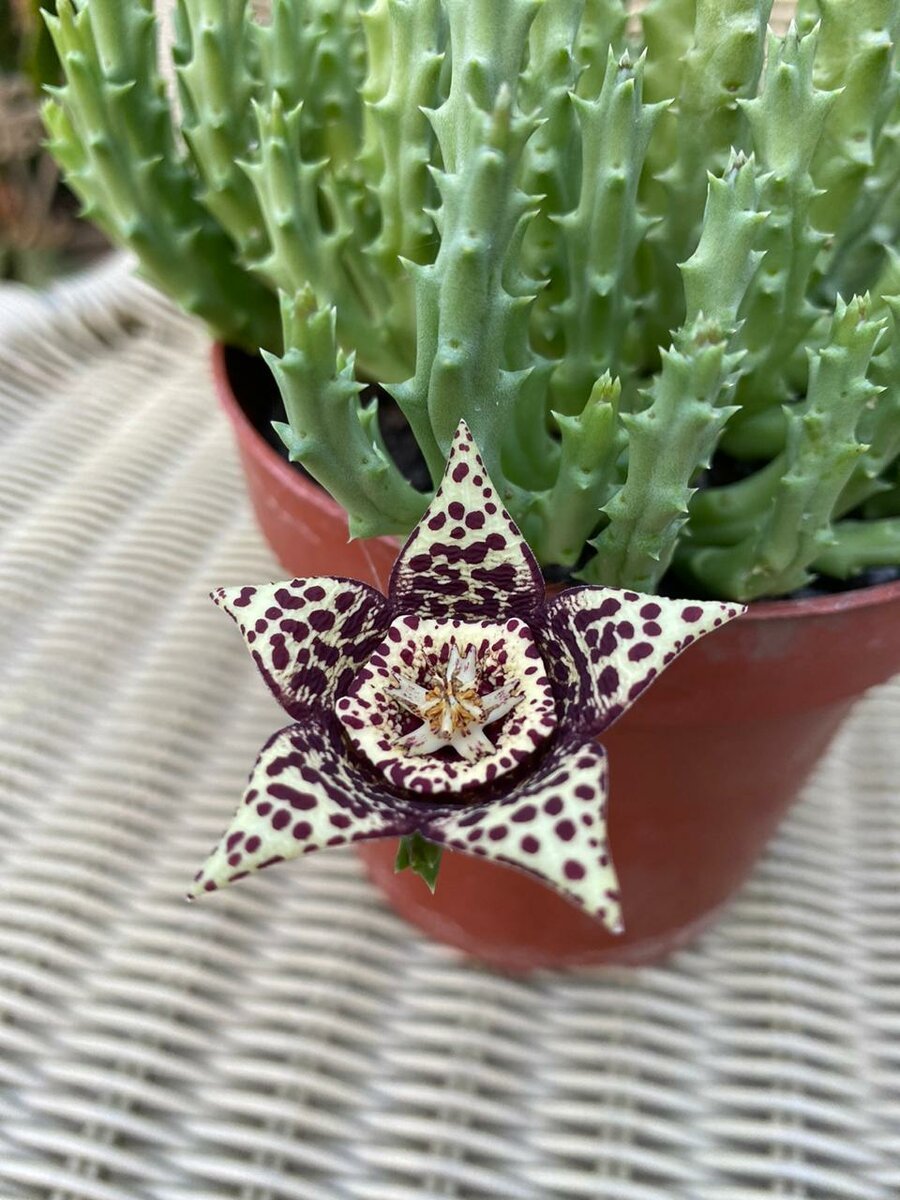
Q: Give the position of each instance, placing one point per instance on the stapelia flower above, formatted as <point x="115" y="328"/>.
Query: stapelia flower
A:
<point x="463" y="707"/>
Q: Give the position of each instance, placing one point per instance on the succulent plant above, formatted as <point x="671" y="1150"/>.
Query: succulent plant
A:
<point x="651" y="268"/>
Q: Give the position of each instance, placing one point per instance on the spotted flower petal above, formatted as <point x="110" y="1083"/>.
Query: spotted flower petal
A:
<point x="308" y="636"/>
<point x="552" y="824"/>
<point x="305" y="793"/>
<point x="466" y="558"/>
<point x="603" y="647"/>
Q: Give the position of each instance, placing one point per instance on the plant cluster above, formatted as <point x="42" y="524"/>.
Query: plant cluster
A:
<point x="651" y="269"/>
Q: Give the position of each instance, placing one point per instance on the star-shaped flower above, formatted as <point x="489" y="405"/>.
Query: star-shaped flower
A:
<point x="462" y="708"/>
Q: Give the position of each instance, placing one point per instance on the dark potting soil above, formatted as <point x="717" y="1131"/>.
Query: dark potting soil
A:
<point x="255" y="388"/>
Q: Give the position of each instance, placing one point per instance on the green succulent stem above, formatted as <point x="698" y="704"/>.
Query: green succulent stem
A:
<point x="793" y="525"/>
<point x="567" y="514"/>
<point x="109" y="127"/>
<point x="330" y="430"/>
<point x="671" y="438"/>
<point x="858" y="546"/>
<point x="604" y="228"/>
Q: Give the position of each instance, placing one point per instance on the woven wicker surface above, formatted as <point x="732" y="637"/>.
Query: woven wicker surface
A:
<point x="292" y="1039"/>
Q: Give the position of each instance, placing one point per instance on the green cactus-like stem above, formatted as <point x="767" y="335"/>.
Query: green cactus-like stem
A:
<point x="304" y="251"/>
<point x="720" y="65"/>
<point x="887" y="501"/>
<point x="822" y="451"/>
<point x="854" y="55"/>
<point x="874" y="223"/>
<point x="405" y="40"/>
<point x="330" y="431"/>
<point x="602" y="233"/>
<point x="462" y="366"/>
<point x="859" y="545"/>
<point x="215" y="58"/>
<point x="550" y="161"/>
<point x="602" y="29"/>
<point x="473" y="359"/>
<point x="786" y="123"/>
<point x="879" y="425"/>
<point x="487" y="40"/>
<point x="668" y="442"/>
<point x="756" y="436"/>
<point x="109" y="128"/>
<point x="566" y="515"/>
<point x="673" y="437"/>
<point x="314" y="54"/>
<point x="313" y="58"/>
<point x="723" y="516"/>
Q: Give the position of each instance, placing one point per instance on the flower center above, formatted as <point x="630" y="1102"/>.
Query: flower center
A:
<point x="442" y="706"/>
<point x="452" y="711"/>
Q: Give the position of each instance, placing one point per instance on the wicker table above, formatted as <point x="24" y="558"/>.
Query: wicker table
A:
<point x="291" y="1039"/>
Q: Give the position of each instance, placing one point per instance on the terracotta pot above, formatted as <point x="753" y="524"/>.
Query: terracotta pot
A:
<point x="703" y="768"/>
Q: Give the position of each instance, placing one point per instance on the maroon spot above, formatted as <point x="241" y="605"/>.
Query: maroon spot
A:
<point x="625" y="629"/>
<point x="475" y="520"/>
<point x="530" y="844"/>
<point x="301" y="800"/>
<point x="608" y="643"/>
<point x="456" y="510"/>
<point x="554" y="806"/>
<point x="524" y="814"/>
<point x="573" y="869"/>
<point x="651" y="629"/>
<point x="321" y="620"/>
<point x="498" y="833"/>
<point x="641" y="650"/>
<point x="253" y="844"/>
<point x="246" y="595"/>
<point x="281" y="818"/>
<point x="460" y="472"/>
<point x="263" y="808"/>
<point x="650" y="612"/>
<point x="234" y="840"/>
<point x="565" y="830"/>
<point x="287" y="599"/>
<point x="234" y="859"/>
<point x="692" y="613"/>
<point x="340" y="821"/>
<point x="280" y="655"/>
<point x="608" y="680"/>
<point x="608" y="608"/>
<point x="302" y="830"/>
<point x="584" y="792"/>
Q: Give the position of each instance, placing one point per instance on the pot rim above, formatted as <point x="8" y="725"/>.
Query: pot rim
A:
<point x="758" y="610"/>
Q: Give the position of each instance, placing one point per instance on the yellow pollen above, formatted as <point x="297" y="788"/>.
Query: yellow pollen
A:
<point x="448" y="710"/>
